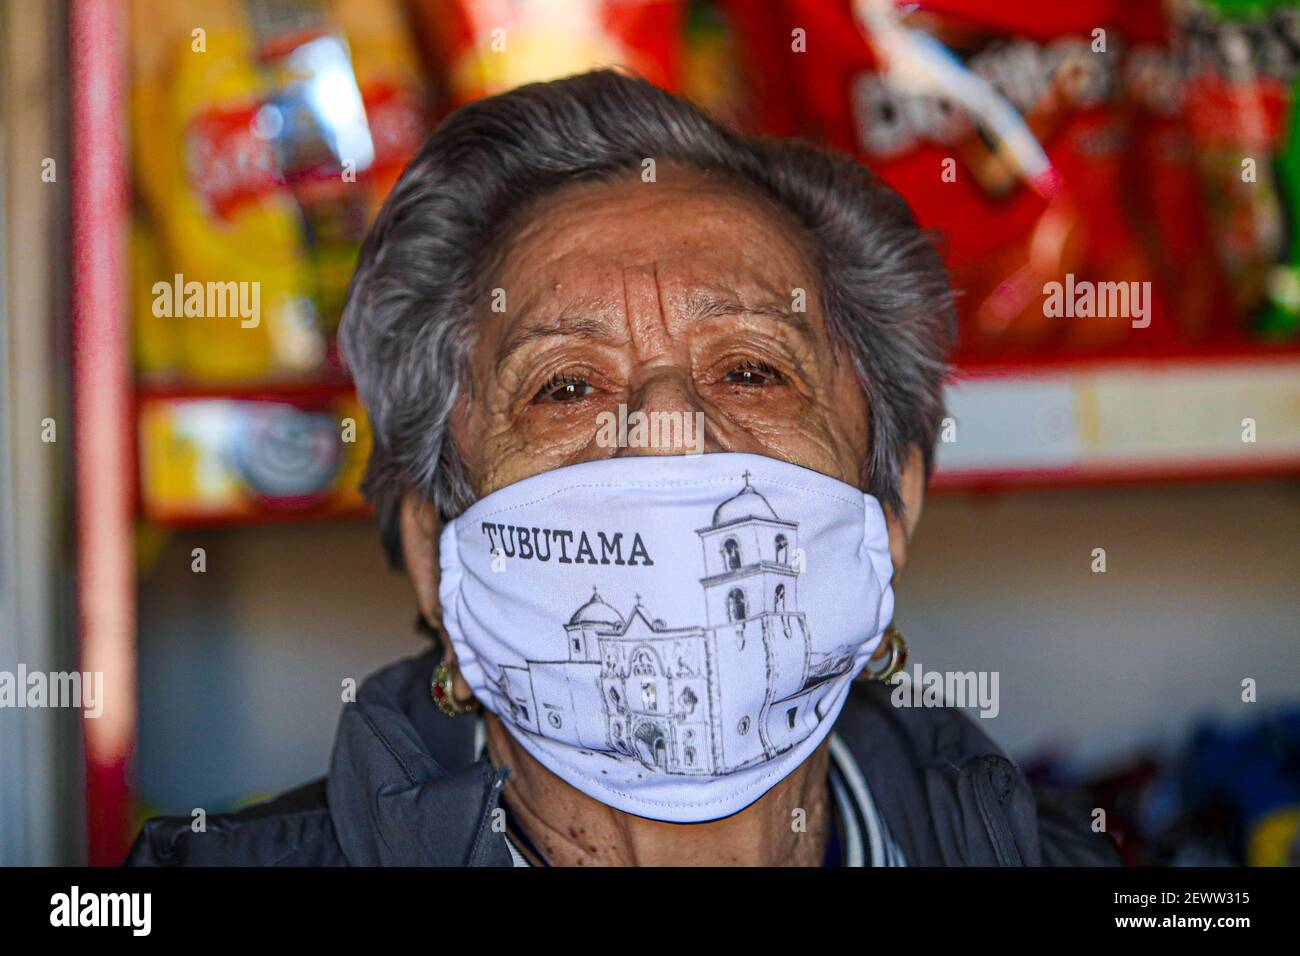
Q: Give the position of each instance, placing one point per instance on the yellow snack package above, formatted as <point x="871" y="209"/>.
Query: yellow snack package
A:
<point x="236" y="276"/>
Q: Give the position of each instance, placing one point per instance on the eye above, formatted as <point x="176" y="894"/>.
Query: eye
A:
<point x="563" y="388"/>
<point x="752" y="373"/>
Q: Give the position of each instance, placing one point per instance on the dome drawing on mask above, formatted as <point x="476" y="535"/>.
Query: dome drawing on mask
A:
<point x="707" y="698"/>
<point x="596" y="611"/>
<point x="747" y="503"/>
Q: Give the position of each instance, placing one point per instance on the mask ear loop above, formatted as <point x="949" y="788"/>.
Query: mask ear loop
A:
<point x="880" y="561"/>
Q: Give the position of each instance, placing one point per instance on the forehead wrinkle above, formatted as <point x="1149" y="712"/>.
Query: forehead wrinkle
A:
<point x="706" y="305"/>
<point x="650" y="333"/>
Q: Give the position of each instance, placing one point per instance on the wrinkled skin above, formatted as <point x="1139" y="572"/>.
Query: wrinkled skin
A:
<point x="672" y="296"/>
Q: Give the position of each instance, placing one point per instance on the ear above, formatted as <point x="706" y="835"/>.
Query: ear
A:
<point x="912" y="491"/>
<point x="420" y="532"/>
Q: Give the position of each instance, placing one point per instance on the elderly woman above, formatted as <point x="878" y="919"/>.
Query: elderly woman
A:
<point x="653" y="406"/>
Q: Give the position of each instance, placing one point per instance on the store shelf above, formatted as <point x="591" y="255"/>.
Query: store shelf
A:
<point x="213" y="456"/>
<point x="1116" y="419"/>
<point x="273" y="453"/>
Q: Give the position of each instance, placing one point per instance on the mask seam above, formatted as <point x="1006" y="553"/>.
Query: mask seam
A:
<point x="652" y="485"/>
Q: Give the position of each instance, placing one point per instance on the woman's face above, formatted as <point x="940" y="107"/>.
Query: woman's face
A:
<point x="674" y="296"/>
<point x="669" y="297"/>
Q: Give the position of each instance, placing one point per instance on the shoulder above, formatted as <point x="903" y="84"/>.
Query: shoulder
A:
<point x="920" y="736"/>
<point x="293" y="829"/>
<point x="936" y="761"/>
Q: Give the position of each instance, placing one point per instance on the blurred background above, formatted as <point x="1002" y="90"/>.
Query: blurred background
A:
<point x="178" y="492"/>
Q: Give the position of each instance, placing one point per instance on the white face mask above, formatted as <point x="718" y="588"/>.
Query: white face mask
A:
<point x="671" y="635"/>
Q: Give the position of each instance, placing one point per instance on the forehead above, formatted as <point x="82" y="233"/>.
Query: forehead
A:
<point x="695" y="232"/>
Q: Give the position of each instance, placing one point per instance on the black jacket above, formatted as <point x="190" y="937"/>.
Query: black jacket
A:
<point x="405" y="789"/>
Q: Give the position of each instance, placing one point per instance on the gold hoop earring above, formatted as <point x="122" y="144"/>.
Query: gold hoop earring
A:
<point x="441" y="690"/>
<point x="897" y="658"/>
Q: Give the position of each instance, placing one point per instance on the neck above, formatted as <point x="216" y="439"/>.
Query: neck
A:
<point x="787" y="826"/>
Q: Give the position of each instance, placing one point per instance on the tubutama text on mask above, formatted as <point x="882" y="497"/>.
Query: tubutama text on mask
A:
<point x="568" y="547"/>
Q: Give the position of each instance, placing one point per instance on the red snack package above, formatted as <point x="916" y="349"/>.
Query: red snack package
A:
<point x="1006" y="243"/>
<point x="486" y="46"/>
<point x="1165" y="190"/>
<point x="1240" y="58"/>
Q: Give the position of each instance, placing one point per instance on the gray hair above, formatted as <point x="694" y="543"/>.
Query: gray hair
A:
<point x="409" y="319"/>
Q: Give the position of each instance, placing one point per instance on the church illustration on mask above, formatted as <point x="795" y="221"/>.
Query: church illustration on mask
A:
<point x="682" y="699"/>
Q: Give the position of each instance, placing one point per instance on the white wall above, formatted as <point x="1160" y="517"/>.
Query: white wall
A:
<point x="241" y="666"/>
<point x="1201" y="590"/>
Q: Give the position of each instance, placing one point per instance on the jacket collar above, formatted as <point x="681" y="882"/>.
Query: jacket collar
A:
<point x="949" y="795"/>
<point x="404" y="788"/>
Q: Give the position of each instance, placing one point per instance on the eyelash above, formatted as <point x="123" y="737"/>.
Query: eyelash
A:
<point x="559" y="381"/>
<point x="755" y="366"/>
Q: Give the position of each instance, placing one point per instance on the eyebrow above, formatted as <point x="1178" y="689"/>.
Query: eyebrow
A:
<point x="705" y="305"/>
<point x="700" y="305"/>
<point x="591" y="329"/>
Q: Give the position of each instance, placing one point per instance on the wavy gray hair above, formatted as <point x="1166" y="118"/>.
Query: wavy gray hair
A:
<point x="409" y="319"/>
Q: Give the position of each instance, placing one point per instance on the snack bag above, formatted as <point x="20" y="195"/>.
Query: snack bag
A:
<point x="1022" y="198"/>
<point x="337" y="163"/>
<point x="1243" y="62"/>
<point x="1164" y="190"/>
<point x="387" y="70"/>
<point x="266" y="139"/>
<point x="207" y="178"/>
<point x="155" y="339"/>
<point x="487" y="46"/>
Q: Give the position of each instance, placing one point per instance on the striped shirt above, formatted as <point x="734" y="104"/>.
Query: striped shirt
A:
<point x="859" y="836"/>
<point x="864" y="837"/>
